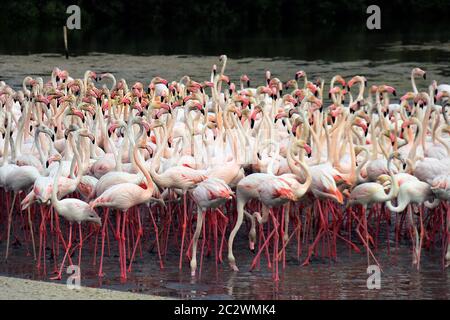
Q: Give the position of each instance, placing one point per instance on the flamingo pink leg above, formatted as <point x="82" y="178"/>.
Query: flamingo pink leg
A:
<point x="104" y="229"/>
<point x="69" y="245"/>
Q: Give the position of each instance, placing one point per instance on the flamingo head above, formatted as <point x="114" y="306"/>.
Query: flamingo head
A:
<point x="361" y="123"/>
<point x="113" y="127"/>
<point x="419" y="72"/>
<point x="384" y="180"/>
<point x="290" y="84"/>
<point x="354" y="80"/>
<point x="76" y="112"/>
<point x="442" y="94"/>
<point x="105" y="105"/>
<point x="208" y="84"/>
<point x="225" y="78"/>
<point x="299" y="74"/>
<point x="330" y="187"/>
<point x="315" y="101"/>
<point x="194" y="86"/>
<point x="281" y="114"/>
<point x="407" y="96"/>
<point x="253" y="115"/>
<point x="158" y="79"/>
<point x="268" y="76"/>
<point x="92" y="75"/>
<point x="195" y="105"/>
<point x="164" y="108"/>
<point x="138" y="106"/>
<point x="246" y="79"/>
<point x="126" y="99"/>
<point x="373" y="89"/>
<point x="232" y="88"/>
<point x="54" y="158"/>
<point x="235" y="109"/>
<point x="302" y="144"/>
<point x="289" y="99"/>
<point x="341" y="80"/>
<point x="312" y="87"/>
<point x="92" y="216"/>
<point x="243" y="99"/>
<point x="87" y="107"/>
<point x="386" y="88"/>
<point x="43" y="99"/>
<point x="145" y="146"/>
<point x="264" y="90"/>
<point x="62" y="75"/>
<point x="334" y="90"/>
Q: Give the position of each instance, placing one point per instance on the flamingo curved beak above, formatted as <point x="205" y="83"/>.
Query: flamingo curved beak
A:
<point x="78" y="113"/>
<point x="138" y="107"/>
<point x="225" y="78"/>
<point x="105" y="105"/>
<point x="338" y="195"/>
<point x="113" y="127"/>
<point x="307" y="148"/>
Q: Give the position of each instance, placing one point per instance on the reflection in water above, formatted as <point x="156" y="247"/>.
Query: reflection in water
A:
<point x="323" y="279"/>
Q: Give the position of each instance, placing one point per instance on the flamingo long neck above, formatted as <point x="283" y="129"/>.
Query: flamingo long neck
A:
<point x="55" y="201"/>
<point x="26" y="92"/>
<point x="160" y="181"/>
<point x="292" y="165"/>
<point x="361" y="91"/>
<point x="394" y="183"/>
<point x="85" y="81"/>
<point x="305" y="83"/>
<point x="245" y="141"/>
<point x="383" y="147"/>
<point x="373" y="139"/>
<point x="334" y="155"/>
<point x="224" y="65"/>
<point x="113" y="79"/>
<point x="19" y="137"/>
<point x="53" y="80"/>
<point x="6" y="144"/>
<point x="412" y="152"/>
<point x="149" y="181"/>
<point x="316" y="144"/>
<point x="272" y="159"/>
<point x="425" y="121"/>
<point x="327" y="135"/>
<point x="77" y="161"/>
<point x="359" y="168"/>
<point x="37" y="142"/>
<point x="13" y="149"/>
<point x="413" y="83"/>
<point x="442" y="141"/>
<point x="352" y="175"/>
<point x="402" y="203"/>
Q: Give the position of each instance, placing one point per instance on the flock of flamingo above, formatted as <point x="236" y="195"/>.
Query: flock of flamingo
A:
<point x="190" y="164"/>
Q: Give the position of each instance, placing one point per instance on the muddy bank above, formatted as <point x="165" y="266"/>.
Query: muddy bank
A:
<point x="15" y="288"/>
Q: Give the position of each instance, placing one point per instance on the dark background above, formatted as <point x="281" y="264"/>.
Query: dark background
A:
<point x="244" y="27"/>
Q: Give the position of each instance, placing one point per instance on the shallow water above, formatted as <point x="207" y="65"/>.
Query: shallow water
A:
<point x="391" y="65"/>
<point x="345" y="278"/>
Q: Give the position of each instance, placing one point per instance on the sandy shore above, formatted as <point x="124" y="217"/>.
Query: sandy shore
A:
<point x="21" y="289"/>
